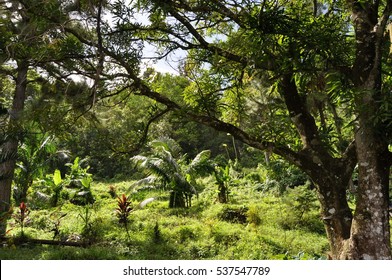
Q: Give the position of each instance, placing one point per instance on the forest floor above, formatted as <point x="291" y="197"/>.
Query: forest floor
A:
<point x="255" y="224"/>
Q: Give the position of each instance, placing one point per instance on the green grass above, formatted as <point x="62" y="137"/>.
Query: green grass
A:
<point x="274" y="227"/>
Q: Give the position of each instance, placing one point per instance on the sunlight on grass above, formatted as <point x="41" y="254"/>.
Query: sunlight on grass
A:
<point x="253" y="225"/>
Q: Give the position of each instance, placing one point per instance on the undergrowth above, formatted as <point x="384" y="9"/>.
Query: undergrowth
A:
<point x="254" y="224"/>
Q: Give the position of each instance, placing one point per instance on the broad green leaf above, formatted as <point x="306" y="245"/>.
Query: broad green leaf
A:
<point x="57" y="177"/>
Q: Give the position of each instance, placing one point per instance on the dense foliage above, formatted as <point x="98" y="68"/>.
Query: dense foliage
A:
<point x="291" y="93"/>
<point x="282" y="227"/>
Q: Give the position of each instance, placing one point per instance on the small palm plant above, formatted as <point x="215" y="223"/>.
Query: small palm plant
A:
<point x="34" y="156"/>
<point x="165" y="172"/>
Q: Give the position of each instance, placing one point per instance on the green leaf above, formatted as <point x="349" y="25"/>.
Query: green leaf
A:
<point x="86" y="181"/>
<point x="57" y="177"/>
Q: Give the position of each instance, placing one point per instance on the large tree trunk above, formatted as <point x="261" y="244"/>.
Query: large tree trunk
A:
<point x="9" y="149"/>
<point x="370" y="233"/>
<point x="366" y="234"/>
<point x="336" y="215"/>
<point x="330" y="175"/>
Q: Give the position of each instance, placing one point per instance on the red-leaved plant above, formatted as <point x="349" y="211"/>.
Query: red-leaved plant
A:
<point x="124" y="208"/>
<point x="21" y="217"/>
<point x="123" y="211"/>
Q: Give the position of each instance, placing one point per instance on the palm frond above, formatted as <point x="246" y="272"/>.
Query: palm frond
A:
<point x="201" y="162"/>
<point x="46" y="142"/>
<point x="167" y="171"/>
<point x="169" y="159"/>
<point x="138" y="159"/>
<point x="158" y="144"/>
<point x="150" y="180"/>
<point x="159" y="172"/>
<point x="145" y="202"/>
<point x="168" y="144"/>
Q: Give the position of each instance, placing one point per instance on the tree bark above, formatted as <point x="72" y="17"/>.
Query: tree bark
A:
<point x="9" y="149"/>
<point x="335" y="213"/>
<point x="370" y="233"/>
<point x="222" y="193"/>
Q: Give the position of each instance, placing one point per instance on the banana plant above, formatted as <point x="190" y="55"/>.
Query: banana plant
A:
<point x="79" y="183"/>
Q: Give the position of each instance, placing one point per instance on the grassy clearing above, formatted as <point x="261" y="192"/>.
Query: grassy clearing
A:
<point x="254" y="225"/>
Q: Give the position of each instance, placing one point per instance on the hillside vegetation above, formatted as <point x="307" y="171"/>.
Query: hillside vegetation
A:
<point x="260" y="221"/>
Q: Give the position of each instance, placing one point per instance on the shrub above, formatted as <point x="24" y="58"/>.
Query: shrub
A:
<point x="301" y="209"/>
<point x="234" y="214"/>
<point x="253" y="216"/>
<point x="112" y="191"/>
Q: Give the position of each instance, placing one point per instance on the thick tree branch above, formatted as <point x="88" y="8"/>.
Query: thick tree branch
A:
<point x="307" y="125"/>
<point x="100" y="54"/>
<point x="302" y="119"/>
<point x="143" y="140"/>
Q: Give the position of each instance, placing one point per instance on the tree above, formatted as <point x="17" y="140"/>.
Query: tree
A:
<point x="165" y="172"/>
<point x="30" y="37"/>
<point x="321" y="61"/>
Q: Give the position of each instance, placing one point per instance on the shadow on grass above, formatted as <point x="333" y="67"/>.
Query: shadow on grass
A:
<point x="148" y="250"/>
